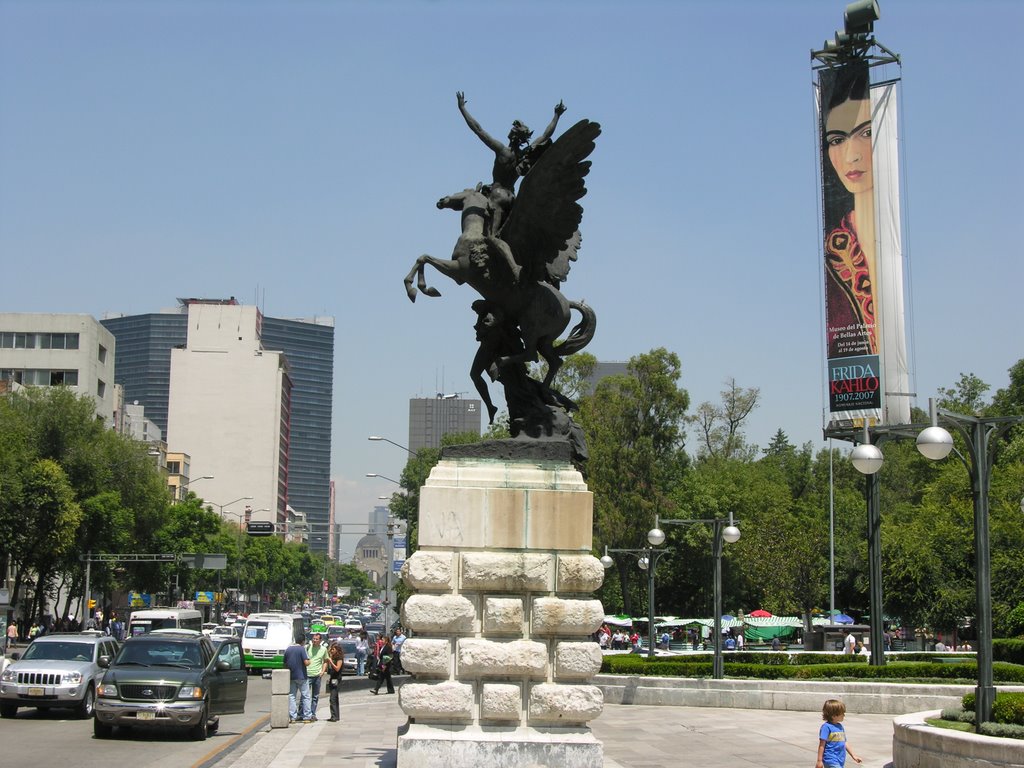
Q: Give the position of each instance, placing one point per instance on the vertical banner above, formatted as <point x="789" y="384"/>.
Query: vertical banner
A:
<point x="864" y="328"/>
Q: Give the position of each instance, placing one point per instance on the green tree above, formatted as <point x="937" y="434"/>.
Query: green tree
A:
<point x="720" y="427"/>
<point x="634" y="428"/>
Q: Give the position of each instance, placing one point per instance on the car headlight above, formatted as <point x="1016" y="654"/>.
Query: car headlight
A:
<point x="9" y="675"/>
<point x="107" y="690"/>
<point x="191" y="692"/>
<point x="73" y="677"/>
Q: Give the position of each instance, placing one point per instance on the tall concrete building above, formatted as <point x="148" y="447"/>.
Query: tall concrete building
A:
<point x="59" y="350"/>
<point x="143" y="368"/>
<point x="229" y="406"/>
<point x="432" y="418"/>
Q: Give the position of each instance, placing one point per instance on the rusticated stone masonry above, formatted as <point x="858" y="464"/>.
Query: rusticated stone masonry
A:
<point x="502" y="610"/>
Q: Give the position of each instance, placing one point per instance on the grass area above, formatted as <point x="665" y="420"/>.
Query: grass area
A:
<point x="951" y="725"/>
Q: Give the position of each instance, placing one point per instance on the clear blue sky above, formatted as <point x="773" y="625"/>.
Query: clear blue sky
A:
<point x="291" y="153"/>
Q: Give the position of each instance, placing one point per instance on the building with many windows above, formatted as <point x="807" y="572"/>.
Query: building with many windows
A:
<point x="432" y="418"/>
<point x="143" y="369"/>
<point x="51" y="350"/>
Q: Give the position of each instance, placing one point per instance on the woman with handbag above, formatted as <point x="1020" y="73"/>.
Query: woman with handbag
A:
<point x="335" y="662"/>
<point x="387" y="653"/>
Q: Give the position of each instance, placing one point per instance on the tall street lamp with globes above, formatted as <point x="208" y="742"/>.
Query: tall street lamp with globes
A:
<point x="722" y="531"/>
<point x="980" y="435"/>
<point x="647" y="559"/>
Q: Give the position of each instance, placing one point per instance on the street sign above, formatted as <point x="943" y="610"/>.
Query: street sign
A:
<point x="260" y="528"/>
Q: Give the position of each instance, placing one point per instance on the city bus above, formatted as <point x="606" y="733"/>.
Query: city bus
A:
<point x="267" y="635"/>
<point x="147" y="619"/>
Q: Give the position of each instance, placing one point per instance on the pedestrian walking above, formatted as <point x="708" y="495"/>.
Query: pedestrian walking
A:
<point x="832" y="745"/>
<point x="387" y="653"/>
<point x="396" y="645"/>
<point x="362" y="650"/>
<point x="296" y="660"/>
<point x="335" y="664"/>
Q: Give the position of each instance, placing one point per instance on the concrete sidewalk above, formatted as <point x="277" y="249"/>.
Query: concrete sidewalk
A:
<point x="633" y="737"/>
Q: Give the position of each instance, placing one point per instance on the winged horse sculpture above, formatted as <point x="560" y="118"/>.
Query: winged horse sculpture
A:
<point x="518" y="268"/>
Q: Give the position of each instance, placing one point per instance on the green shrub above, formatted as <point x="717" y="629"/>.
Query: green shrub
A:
<point x="1011" y="651"/>
<point x="1009" y="708"/>
<point x="957" y="715"/>
<point x="968" y="702"/>
<point x="1003" y="730"/>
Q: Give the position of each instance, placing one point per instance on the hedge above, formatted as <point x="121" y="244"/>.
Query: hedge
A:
<point x="758" y="666"/>
<point x="1011" y="651"/>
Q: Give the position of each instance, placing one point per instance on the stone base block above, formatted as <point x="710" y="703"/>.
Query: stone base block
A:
<point x="497" y="747"/>
<point x="278" y="710"/>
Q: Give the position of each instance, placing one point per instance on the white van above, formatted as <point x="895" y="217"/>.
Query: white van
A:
<point x="147" y="619"/>
<point x="267" y="635"/>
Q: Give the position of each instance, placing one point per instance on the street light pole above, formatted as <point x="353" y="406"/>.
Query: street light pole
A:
<point x="980" y="435"/>
<point x="378" y="438"/>
<point x="721" y="532"/>
<point x="647" y="559"/>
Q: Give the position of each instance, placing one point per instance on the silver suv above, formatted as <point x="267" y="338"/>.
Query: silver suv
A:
<point x="59" y="670"/>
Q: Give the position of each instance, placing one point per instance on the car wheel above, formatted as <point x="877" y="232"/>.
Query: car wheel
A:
<point x="8" y="710"/>
<point x="101" y="730"/>
<point x="88" y="703"/>
<point x="198" y="731"/>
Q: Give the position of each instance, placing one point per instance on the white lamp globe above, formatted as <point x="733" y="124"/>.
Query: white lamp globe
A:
<point x="607" y="562"/>
<point x="642" y="562"/>
<point x="731" y="534"/>
<point x="934" y="443"/>
<point x="656" y="536"/>
<point x="866" y="458"/>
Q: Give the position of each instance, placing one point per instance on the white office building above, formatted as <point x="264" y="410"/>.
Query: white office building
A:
<point x="230" y="408"/>
<point x="59" y="350"/>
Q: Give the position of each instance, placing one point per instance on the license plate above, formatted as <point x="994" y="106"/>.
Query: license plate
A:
<point x="146" y="716"/>
<point x="36" y="691"/>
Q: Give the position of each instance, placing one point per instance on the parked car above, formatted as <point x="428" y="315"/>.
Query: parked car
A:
<point x="171" y="680"/>
<point x="58" y="670"/>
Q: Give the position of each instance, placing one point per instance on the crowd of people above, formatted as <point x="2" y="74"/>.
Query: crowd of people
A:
<point x="315" y="665"/>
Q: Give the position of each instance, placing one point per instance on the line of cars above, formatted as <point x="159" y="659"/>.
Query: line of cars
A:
<point x="171" y="677"/>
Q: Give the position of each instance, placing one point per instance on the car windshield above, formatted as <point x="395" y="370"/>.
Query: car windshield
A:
<point x="58" y="651"/>
<point x="256" y="630"/>
<point x="160" y="654"/>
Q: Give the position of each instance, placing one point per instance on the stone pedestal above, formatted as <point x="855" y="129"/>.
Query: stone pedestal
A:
<point x="501" y="618"/>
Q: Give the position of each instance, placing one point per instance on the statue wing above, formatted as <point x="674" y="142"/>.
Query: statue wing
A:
<point x="542" y="228"/>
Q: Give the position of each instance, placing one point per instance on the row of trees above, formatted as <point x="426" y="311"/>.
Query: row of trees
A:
<point x="641" y="467"/>
<point x="69" y="487"/>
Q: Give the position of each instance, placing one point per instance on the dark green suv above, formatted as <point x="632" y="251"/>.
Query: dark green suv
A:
<point x="171" y="679"/>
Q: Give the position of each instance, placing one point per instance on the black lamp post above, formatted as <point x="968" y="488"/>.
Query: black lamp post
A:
<point x="721" y="531"/>
<point x="979" y="434"/>
<point x="647" y="559"/>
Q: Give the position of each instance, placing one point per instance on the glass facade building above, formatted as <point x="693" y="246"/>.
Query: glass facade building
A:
<point x="309" y="348"/>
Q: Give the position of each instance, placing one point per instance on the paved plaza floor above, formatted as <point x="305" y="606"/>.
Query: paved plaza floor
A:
<point x="633" y="737"/>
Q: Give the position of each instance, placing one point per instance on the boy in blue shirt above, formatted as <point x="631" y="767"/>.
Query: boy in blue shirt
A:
<point x="832" y="746"/>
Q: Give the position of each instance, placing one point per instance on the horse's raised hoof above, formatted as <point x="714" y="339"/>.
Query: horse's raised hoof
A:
<point x="410" y="292"/>
<point x="432" y="292"/>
